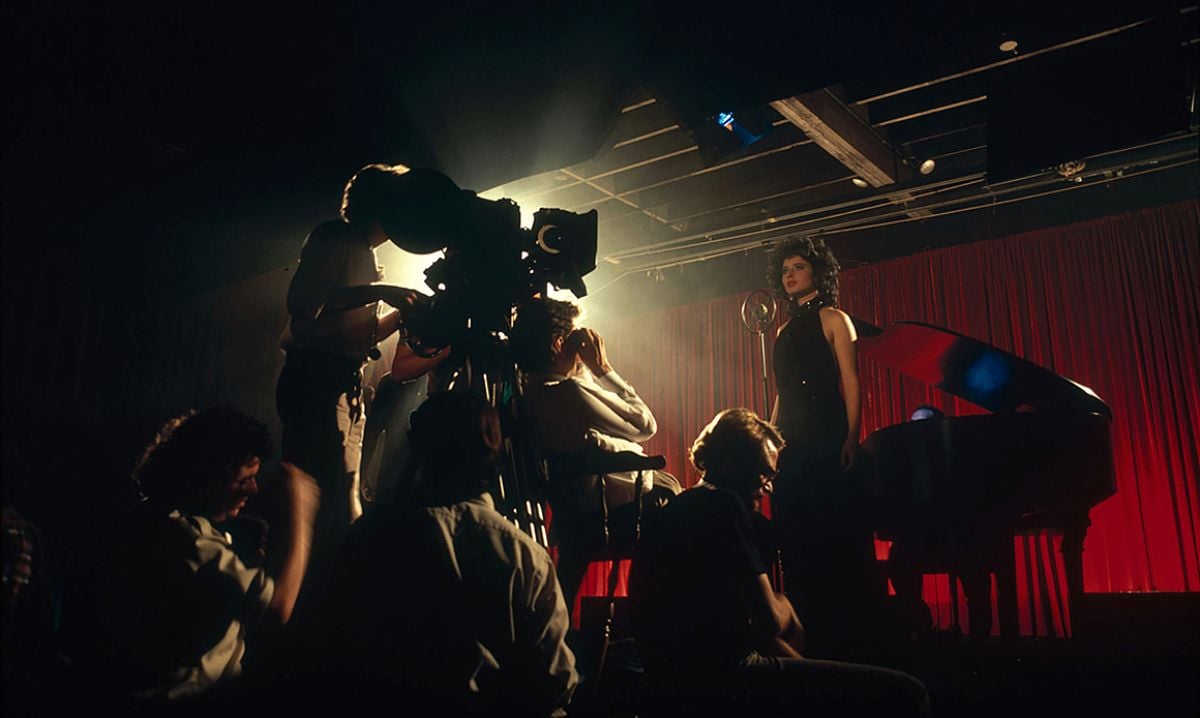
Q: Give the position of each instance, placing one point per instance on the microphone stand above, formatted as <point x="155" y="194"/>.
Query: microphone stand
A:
<point x="758" y="312"/>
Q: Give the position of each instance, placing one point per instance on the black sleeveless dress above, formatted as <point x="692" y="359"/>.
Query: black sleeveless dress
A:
<point x="817" y="508"/>
<point x="812" y="413"/>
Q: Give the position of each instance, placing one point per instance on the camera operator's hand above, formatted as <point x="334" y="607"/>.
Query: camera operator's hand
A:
<point x="591" y="351"/>
<point x="403" y="301"/>
<point x="400" y="298"/>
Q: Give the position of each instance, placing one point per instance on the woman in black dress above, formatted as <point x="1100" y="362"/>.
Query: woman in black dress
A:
<point x="826" y="542"/>
<point x="816" y="365"/>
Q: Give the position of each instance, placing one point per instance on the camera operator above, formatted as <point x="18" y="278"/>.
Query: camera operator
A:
<point x="335" y="324"/>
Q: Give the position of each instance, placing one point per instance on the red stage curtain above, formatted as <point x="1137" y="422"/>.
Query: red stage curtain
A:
<point x="1112" y="303"/>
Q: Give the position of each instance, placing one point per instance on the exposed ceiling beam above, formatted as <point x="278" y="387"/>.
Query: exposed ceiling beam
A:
<point x="848" y="137"/>
<point x="843" y="134"/>
<point x="753" y="236"/>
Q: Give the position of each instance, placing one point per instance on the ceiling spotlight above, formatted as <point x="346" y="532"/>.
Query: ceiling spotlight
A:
<point x="860" y="182"/>
<point x="927" y="167"/>
<point x="1071" y="170"/>
<point x="1008" y="45"/>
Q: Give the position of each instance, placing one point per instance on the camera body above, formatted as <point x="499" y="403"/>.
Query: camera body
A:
<point x="491" y="263"/>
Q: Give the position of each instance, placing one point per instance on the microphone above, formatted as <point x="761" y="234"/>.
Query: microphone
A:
<point x="758" y="311"/>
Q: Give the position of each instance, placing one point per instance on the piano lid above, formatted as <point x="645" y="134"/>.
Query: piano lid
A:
<point x="974" y="370"/>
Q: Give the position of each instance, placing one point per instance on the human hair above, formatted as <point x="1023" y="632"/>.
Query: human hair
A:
<point x="825" y="267"/>
<point x="371" y="191"/>
<point x="193" y="454"/>
<point x="455" y="440"/>
<point x="732" y="444"/>
<point x="539" y="323"/>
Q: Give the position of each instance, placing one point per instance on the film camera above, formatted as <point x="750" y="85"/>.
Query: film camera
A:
<point x="491" y="263"/>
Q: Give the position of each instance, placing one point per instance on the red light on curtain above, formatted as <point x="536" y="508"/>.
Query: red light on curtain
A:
<point x="1111" y="303"/>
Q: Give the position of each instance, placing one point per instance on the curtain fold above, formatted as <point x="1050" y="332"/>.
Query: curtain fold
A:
<point x="1113" y="304"/>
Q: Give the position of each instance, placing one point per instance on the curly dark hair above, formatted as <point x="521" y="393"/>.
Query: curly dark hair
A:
<point x="733" y="438"/>
<point x="195" y="453"/>
<point x="825" y="267"/>
<point x="539" y="323"/>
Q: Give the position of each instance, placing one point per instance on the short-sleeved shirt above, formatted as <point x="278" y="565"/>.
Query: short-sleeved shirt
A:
<point x="693" y="581"/>
<point x="237" y="597"/>
<point x="335" y="256"/>
<point x="177" y="607"/>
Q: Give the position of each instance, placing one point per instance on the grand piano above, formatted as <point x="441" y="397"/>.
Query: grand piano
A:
<point x="1041" y="460"/>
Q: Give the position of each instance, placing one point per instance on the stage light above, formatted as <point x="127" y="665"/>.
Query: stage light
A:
<point x="1071" y="171"/>
<point x="729" y="122"/>
<point x="859" y="182"/>
<point x="927" y="167"/>
<point x="1008" y="46"/>
<point x="724" y="135"/>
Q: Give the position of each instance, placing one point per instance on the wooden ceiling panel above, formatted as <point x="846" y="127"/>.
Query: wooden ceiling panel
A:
<point x="765" y="175"/>
<point x="571" y="193"/>
<point x="632" y="231"/>
<point x="529" y="187"/>
<point x="616" y="161"/>
<point x="651" y="185"/>
<point x="946" y="144"/>
<point x="655" y="183"/>
<point x="938" y="124"/>
<point x="926" y="101"/>
<point x="637" y="122"/>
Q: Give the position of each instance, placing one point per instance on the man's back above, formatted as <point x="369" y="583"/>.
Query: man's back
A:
<point x="453" y="605"/>
<point x="691" y="582"/>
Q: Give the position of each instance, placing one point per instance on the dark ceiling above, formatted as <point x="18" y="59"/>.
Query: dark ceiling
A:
<point x="200" y="141"/>
<point x="157" y="152"/>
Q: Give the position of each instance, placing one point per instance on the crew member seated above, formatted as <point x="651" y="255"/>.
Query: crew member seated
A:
<point x="574" y="410"/>
<point x="706" y="618"/>
<point x="174" y="609"/>
<point x="439" y="603"/>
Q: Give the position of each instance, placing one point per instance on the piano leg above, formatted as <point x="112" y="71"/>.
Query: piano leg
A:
<point x="1006" y="591"/>
<point x="1074" y="531"/>
<point x="977" y="585"/>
